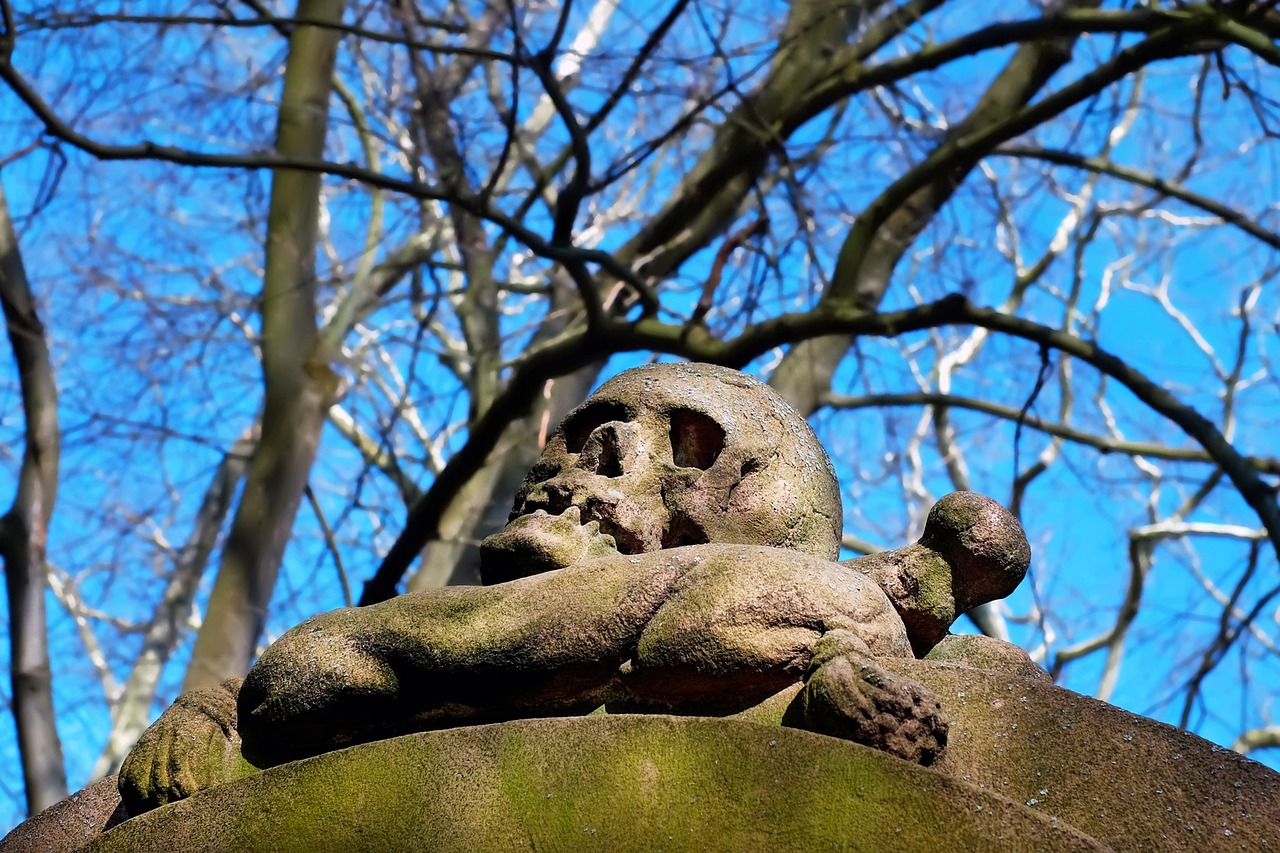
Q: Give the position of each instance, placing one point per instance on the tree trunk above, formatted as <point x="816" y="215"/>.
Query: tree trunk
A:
<point x="298" y="384"/>
<point x="24" y="532"/>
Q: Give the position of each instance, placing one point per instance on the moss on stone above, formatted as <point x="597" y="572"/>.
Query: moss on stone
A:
<point x="1132" y="783"/>
<point x="933" y="586"/>
<point x="986" y="653"/>
<point x="616" y="783"/>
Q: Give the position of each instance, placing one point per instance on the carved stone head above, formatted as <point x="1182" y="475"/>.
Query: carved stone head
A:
<point x="668" y="455"/>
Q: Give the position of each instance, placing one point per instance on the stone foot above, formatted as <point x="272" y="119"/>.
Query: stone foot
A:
<point x="848" y="695"/>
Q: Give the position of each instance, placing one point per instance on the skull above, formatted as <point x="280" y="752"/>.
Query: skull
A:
<point x="668" y="455"/>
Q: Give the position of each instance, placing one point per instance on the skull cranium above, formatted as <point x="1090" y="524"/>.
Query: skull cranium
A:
<point x="668" y="455"/>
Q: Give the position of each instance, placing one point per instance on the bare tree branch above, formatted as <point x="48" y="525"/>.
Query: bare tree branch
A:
<point x="1261" y="464"/>
<point x="131" y="709"/>
<point x="1264" y="738"/>
<point x="24" y="531"/>
<point x="299" y="385"/>
<point x="1172" y="189"/>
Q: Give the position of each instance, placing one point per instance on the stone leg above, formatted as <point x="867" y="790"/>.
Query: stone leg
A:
<point x="848" y="695"/>
<point x="545" y="645"/>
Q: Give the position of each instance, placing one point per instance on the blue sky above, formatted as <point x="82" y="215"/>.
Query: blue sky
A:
<point x="147" y="276"/>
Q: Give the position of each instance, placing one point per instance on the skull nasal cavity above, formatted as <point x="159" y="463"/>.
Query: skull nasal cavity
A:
<point x="603" y="451"/>
<point x="696" y="439"/>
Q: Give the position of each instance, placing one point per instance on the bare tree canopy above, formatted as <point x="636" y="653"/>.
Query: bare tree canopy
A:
<point x="295" y="292"/>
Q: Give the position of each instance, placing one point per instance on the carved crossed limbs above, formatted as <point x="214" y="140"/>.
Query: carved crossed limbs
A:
<point x="672" y="551"/>
<point x="704" y="629"/>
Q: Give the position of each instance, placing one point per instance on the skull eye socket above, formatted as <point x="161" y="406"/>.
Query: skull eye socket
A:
<point x="580" y="424"/>
<point x="696" y="439"/>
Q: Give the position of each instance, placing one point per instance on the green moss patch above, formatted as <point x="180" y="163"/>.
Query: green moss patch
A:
<point x="613" y="782"/>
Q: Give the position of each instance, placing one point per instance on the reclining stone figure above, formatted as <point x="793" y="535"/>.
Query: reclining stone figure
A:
<point x="672" y="551"/>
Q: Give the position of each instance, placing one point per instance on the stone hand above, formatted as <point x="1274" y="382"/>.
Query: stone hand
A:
<point x="848" y="695"/>
<point x="193" y="746"/>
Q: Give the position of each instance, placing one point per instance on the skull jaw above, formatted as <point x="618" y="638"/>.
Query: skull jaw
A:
<point x="657" y="507"/>
<point x="577" y="516"/>
<point x="536" y="543"/>
<point x="632" y="507"/>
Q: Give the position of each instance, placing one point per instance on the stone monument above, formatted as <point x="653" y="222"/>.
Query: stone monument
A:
<point x="667" y="654"/>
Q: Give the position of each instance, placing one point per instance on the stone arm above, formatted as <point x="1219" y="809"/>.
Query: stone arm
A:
<point x="543" y="645"/>
<point x="547" y="644"/>
<point x="710" y="628"/>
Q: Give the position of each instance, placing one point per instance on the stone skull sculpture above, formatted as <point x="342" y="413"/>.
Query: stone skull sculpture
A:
<point x="693" y="520"/>
<point x="669" y="455"/>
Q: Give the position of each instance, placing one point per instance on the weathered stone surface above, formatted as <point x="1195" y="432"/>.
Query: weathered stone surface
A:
<point x="1133" y="783"/>
<point x="69" y="825"/>
<point x="667" y="455"/>
<point x="609" y="783"/>
<point x="972" y="551"/>
<point x="1130" y="782"/>
<point x="982" y="652"/>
